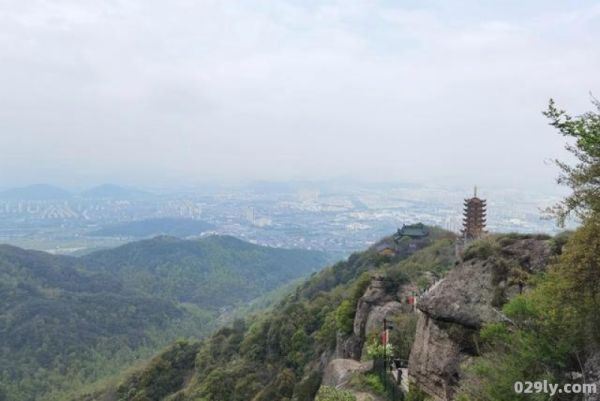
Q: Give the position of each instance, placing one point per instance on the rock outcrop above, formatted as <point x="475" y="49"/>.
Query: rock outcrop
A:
<point x="592" y="376"/>
<point x="380" y="301"/>
<point x="339" y="371"/>
<point x="470" y="296"/>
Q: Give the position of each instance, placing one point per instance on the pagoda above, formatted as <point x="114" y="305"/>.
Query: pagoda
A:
<point x="474" y="217"/>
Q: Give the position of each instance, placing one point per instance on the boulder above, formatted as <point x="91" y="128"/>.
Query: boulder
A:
<point x="592" y="376"/>
<point x="464" y="297"/>
<point x="339" y="372"/>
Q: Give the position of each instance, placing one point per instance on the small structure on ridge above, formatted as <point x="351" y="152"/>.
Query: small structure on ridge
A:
<point x="418" y="230"/>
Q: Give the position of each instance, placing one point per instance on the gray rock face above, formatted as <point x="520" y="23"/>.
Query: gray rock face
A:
<point x="531" y="254"/>
<point x="377" y="313"/>
<point x="436" y="356"/>
<point x="376" y="295"/>
<point x="339" y="372"/>
<point x="376" y="304"/>
<point x="470" y="296"/>
<point x="464" y="297"/>
<point x="349" y="347"/>
<point x="592" y="376"/>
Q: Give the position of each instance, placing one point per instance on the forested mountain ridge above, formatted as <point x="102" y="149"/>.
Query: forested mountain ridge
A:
<point x="211" y="271"/>
<point x="67" y="321"/>
<point x="303" y="346"/>
<point x="54" y="319"/>
<point x="280" y="354"/>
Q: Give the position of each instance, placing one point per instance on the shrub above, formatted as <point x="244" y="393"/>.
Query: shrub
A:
<point x="375" y="348"/>
<point x="327" y="393"/>
<point x="344" y="316"/>
<point x="481" y="249"/>
<point x="416" y="394"/>
<point x="373" y="381"/>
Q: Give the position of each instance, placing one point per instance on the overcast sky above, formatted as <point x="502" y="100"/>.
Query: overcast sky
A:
<point x="147" y="91"/>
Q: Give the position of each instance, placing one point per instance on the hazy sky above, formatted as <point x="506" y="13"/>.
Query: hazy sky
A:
<point x="146" y="91"/>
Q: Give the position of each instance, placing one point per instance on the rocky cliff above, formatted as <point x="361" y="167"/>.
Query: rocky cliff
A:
<point x="470" y="296"/>
<point x="381" y="300"/>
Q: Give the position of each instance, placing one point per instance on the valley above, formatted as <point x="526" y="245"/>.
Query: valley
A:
<point x="67" y="322"/>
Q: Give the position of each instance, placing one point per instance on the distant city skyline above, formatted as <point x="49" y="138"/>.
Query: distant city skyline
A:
<point x="172" y="94"/>
<point x="333" y="217"/>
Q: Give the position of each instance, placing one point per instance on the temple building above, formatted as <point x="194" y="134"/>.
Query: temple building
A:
<point x="474" y="217"/>
<point x="418" y="230"/>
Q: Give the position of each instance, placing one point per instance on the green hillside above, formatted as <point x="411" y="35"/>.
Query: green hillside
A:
<point x="58" y="322"/>
<point x="212" y="271"/>
<point x="275" y="355"/>
<point x="65" y="321"/>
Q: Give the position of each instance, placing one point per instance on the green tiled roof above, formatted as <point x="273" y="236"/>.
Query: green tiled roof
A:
<point x="413" y="230"/>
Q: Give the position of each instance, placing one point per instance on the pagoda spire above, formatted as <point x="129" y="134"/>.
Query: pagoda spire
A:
<point x="474" y="217"/>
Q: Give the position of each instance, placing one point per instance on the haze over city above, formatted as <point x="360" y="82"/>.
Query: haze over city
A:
<point x="150" y="93"/>
<point x="299" y="200"/>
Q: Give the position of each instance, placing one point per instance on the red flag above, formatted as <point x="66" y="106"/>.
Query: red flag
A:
<point x="385" y="338"/>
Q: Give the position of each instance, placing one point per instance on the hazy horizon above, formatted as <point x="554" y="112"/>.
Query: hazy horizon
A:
<point x="179" y="93"/>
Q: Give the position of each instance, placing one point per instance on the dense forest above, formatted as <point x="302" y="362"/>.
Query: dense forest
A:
<point x="275" y="355"/>
<point x="66" y="322"/>
<point x="215" y="270"/>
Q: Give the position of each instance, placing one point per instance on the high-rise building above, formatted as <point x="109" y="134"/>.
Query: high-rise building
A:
<point x="474" y="217"/>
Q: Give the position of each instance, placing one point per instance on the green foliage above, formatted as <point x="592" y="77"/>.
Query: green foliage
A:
<point x="481" y="249"/>
<point x="62" y="328"/>
<point x="376" y="350"/>
<point x="66" y="322"/>
<point x="345" y="313"/>
<point x="583" y="178"/>
<point x="373" y="382"/>
<point x="345" y="316"/>
<point x="275" y="356"/>
<point x="327" y="393"/>
<point x="213" y="271"/>
<point x="436" y="258"/>
<point x="553" y="326"/>
<point x="403" y="334"/>
<point x="308" y="387"/>
<point x="559" y="241"/>
<point x="416" y="394"/>
<point x="163" y="375"/>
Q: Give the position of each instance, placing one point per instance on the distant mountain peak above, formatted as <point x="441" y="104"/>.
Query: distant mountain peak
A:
<point x="155" y="227"/>
<point x="113" y="191"/>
